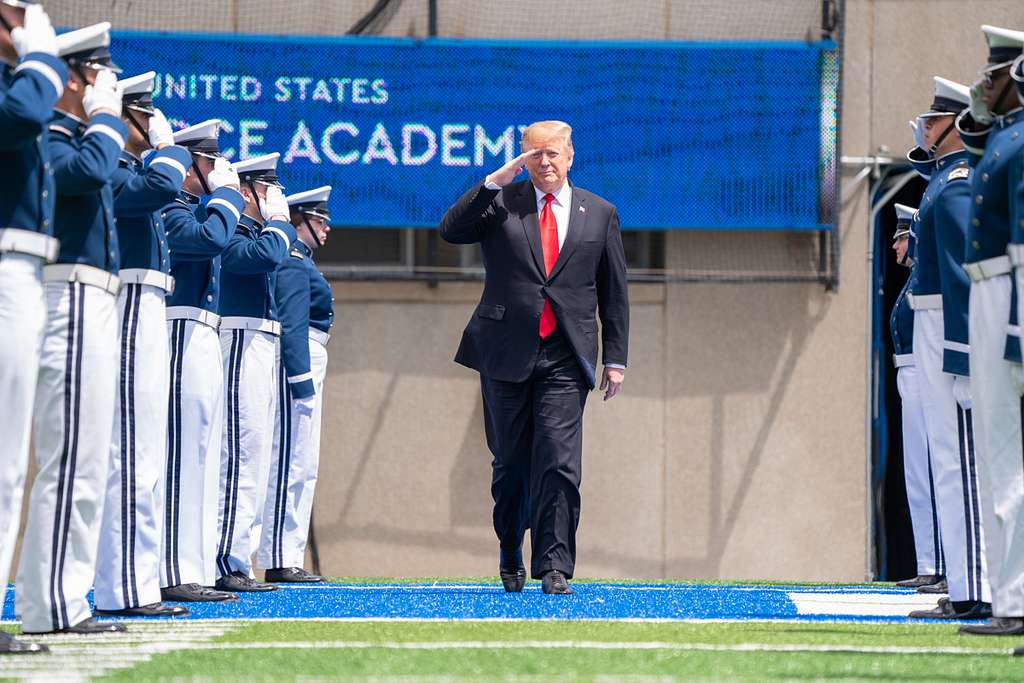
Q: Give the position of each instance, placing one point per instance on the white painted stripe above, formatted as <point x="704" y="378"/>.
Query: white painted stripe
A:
<point x="47" y="71"/>
<point x="300" y="378"/>
<point x="860" y="605"/>
<point x="226" y="204"/>
<point x="280" y="233"/>
<point x="173" y="163"/>
<point x="104" y="129"/>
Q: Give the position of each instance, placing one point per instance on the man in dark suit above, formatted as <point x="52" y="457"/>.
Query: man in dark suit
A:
<point x="553" y="255"/>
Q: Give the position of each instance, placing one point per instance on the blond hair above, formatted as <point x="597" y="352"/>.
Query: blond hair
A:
<point x="546" y="129"/>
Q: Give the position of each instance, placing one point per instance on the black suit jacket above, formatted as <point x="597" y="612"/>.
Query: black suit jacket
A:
<point x="502" y="339"/>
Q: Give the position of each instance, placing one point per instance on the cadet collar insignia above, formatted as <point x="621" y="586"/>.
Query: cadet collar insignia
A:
<point x="297" y="253"/>
<point x="959" y="173"/>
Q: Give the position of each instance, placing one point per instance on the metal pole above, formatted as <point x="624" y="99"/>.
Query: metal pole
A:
<point x="432" y="18"/>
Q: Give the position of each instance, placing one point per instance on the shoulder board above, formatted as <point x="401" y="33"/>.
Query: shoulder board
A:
<point x="297" y="254"/>
<point x="54" y="128"/>
<point x="959" y="173"/>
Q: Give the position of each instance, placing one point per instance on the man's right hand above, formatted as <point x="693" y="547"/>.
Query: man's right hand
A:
<point x="222" y="175"/>
<point x="507" y="173"/>
<point x="36" y="34"/>
<point x="103" y="96"/>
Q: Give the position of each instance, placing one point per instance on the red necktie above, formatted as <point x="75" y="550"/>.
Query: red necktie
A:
<point x="549" y="244"/>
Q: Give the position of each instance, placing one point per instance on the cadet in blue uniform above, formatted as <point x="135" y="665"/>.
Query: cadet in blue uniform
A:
<point x="917" y="468"/>
<point x="32" y="80"/>
<point x="74" y="407"/>
<point x="199" y="224"/>
<point x="306" y="309"/>
<point x="939" y="300"/>
<point x="994" y="128"/>
<point x="127" y="573"/>
<point x="249" y="334"/>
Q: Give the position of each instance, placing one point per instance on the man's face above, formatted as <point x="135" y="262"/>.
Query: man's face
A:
<point x="549" y="168"/>
<point x="934" y="126"/>
<point x="994" y="85"/>
<point x="135" y="136"/>
<point x="192" y="184"/>
<point x="900" y="246"/>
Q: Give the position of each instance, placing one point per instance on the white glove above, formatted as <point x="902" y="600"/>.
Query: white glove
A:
<point x="36" y="34"/>
<point x="979" y="110"/>
<point x="160" y="134"/>
<point x="274" y="206"/>
<point x="917" y="132"/>
<point x="304" y="406"/>
<point x="105" y="93"/>
<point x="222" y="175"/>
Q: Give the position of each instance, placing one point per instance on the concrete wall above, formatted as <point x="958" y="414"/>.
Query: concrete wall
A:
<point x="739" y="446"/>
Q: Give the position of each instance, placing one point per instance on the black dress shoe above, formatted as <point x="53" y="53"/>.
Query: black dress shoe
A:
<point x="237" y="582"/>
<point x="86" y="627"/>
<point x="946" y="610"/>
<point x="937" y="588"/>
<point x="156" y="609"/>
<point x="290" y="575"/>
<point x="9" y="645"/>
<point x="554" y="583"/>
<point x="918" y="581"/>
<point x="193" y="592"/>
<point x="513" y="578"/>
<point x="997" y="626"/>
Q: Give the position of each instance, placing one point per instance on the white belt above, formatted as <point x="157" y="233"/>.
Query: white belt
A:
<point x="924" y="302"/>
<point x="902" y="360"/>
<point x="989" y="268"/>
<point x="29" y="242"/>
<point x="200" y="315"/>
<point x="142" y="276"/>
<point x="318" y="336"/>
<point x="79" y="272"/>
<point x="237" y="322"/>
<point x="1016" y="252"/>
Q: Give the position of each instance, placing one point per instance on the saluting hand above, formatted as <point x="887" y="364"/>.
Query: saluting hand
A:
<point x="507" y="173"/>
<point x="611" y="382"/>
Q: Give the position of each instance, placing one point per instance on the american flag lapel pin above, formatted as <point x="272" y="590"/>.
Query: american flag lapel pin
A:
<point x="583" y="209"/>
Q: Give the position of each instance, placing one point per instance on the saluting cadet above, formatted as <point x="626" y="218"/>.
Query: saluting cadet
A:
<point x="917" y="467"/>
<point x="199" y="224"/>
<point x="32" y="79"/>
<point x="74" y="406"/>
<point x="249" y="334"/>
<point x="993" y="128"/>
<point x="940" y="351"/>
<point x="127" y="573"/>
<point x="306" y="309"/>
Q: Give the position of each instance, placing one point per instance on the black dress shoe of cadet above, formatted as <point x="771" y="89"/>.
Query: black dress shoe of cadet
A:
<point x="996" y="626"/>
<point x="554" y="583"/>
<point x="9" y="645"/>
<point x="290" y="575"/>
<point x="946" y="609"/>
<point x="940" y="587"/>
<point x="193" y="592"/>
<point x="512" y="571"/>
<point x="156" y="609"/>
<point x="918" y="581"/>
<point x="237" y="582"/>
<point x="86" y="627"/>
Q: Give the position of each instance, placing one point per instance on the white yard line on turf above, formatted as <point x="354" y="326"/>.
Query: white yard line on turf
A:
<point x="593" y="645"/>
<point x="860" y="605"/>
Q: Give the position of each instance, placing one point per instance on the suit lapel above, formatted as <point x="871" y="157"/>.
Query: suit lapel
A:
<point x="531" y="223"/>
<point x="573" y="233"/>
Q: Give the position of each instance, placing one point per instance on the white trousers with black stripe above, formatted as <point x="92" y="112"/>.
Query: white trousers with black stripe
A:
<point x="997" y="414"/>
<point x="947" y="415"/>
<point x="250" y="400"/>
<point x="74" y="415"/>
<point x="22" y="317"/>
<point x="128" y="566"/>
<point x="189" y="496"/>
<point x="917" y="472"/>
<point x="293" y="472"/>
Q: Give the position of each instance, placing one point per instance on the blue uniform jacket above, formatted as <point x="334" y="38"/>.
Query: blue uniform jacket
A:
<point x="996" y="176"/>
<point x="27" y="95"/>
<point x="249" y="268"/>
<point x="140" y="192"/>
<point x="84" y="159"/>
<point x="197" y="232"/>
<point x="942" y="228"/>
<point x="301" y="294"/>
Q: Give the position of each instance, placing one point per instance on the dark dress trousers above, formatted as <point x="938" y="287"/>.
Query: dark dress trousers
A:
<point x="534" y="390"/>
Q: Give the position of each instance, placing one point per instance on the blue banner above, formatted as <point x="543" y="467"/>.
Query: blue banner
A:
<point x="677" y="135"/>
